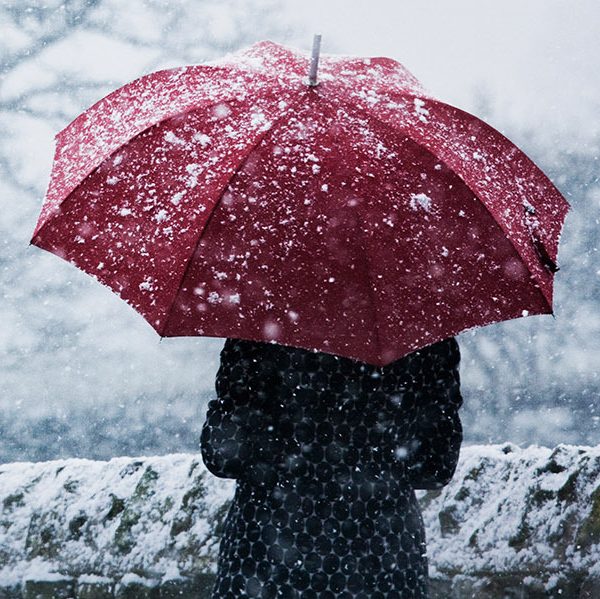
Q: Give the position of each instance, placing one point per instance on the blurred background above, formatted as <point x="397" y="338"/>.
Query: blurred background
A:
<point x="82" y="374"/>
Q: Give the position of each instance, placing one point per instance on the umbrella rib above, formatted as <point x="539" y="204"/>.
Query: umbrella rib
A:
<point x="371" y="291"/>
<point x="370" y="286"/>
<point x="381" y="122"/>
<point x="251" y="149"/>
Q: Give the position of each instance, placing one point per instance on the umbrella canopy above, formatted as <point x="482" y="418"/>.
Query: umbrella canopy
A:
<point x="360" y="216"/>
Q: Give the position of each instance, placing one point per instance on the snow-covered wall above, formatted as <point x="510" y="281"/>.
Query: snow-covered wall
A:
<point x="513" y="523"/>
<point x="517" y="523"/>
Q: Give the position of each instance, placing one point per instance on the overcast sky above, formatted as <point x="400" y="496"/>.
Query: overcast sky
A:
<point x="537" y="59"/>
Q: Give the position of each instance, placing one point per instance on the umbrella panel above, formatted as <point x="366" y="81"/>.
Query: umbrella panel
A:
<point x="134" y="222"/>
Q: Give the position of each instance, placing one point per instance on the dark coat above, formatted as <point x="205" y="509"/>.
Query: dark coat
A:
<point x="327" y="452"/>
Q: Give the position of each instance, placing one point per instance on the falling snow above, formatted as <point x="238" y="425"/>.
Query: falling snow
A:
<point x="85" y="375"/>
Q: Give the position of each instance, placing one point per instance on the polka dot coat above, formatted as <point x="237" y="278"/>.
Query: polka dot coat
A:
<point x="327" y="452"/>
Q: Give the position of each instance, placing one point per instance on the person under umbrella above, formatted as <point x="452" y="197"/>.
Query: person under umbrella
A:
<point x="327" y="452"/>
<point x="350" y="226"/>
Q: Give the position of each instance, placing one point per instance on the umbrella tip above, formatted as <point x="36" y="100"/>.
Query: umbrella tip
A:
<point x="314" y="63"/>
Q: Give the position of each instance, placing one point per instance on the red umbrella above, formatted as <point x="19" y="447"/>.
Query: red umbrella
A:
<point x="358" y="216"/>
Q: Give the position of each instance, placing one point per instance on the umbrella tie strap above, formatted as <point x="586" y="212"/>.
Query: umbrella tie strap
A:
<point x="533" y="225"/>
<point x="542" y="252"/>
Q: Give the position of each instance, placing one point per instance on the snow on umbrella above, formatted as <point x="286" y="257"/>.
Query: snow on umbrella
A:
<point x="354" y="214"/>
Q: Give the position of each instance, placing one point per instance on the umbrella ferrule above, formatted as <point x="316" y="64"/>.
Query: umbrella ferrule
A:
<point x="314" y="62"/>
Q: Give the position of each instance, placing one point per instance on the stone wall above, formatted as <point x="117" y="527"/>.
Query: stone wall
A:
<point x="522" y="523"/>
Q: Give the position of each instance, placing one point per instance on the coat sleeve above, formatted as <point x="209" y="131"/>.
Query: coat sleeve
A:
<point x="436" y="433"/>
<point x="233" y="435"/>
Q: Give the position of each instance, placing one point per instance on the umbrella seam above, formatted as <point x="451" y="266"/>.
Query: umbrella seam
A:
<point x="507" y="236"/>
<point x="255" y="145"/>
<point x="370" y="286"/>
